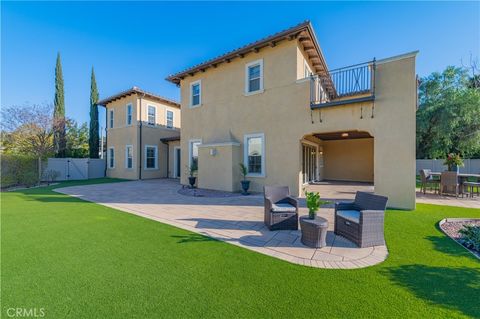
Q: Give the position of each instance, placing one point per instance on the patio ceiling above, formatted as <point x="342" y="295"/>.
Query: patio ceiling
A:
<point x="345" y="135"/>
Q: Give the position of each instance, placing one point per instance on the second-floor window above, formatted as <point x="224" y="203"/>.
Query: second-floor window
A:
<point x="254" y="77"/>
<point x="169" y="119"/>
<point x="129" y="114"/>
<point x="111" y="118"/>
<point x="195" y="93"/>
<point x="152" y="115"/>
<point x="307" y="71"/>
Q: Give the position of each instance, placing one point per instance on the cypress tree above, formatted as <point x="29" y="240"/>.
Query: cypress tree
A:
<point x="59" y="137"/>
<point x="93" y="139"/>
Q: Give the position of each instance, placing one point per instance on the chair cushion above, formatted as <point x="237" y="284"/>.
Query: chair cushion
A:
<point x="351" y="215"/>
<point x="283" y="208"/>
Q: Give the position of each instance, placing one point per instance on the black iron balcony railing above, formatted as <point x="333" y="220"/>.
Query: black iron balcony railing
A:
<point x="343" y="84"/>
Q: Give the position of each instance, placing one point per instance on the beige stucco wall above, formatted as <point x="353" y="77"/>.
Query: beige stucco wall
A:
<point x="282" y="113"/>
<point x="122" y="135"/>
<point x="348" y="160"/>
<point x="223" y="162"/>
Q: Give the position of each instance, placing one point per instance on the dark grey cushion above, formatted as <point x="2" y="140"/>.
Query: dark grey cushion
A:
<point x="351" y="215"/>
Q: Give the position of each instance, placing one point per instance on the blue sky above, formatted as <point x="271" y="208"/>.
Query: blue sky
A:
<point x="141" y="43"/>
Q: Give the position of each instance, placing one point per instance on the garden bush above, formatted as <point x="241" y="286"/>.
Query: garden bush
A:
<point x="18" y="170"/>
<point x="470" y="236"/>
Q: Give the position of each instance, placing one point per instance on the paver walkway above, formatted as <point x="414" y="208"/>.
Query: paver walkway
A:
<point x="236" y="220"/>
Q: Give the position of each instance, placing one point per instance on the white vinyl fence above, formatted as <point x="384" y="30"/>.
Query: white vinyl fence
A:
<point x="472" y="166"/>
<point x="75" y="168"/>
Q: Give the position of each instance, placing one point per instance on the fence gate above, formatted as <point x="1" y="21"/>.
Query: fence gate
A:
<point x="75" y="168"/>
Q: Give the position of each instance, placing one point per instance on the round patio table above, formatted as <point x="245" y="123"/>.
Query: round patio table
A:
<point x="314" y="231"/>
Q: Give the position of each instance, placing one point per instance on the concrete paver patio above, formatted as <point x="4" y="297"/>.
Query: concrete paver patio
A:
<point x="236" y="220"/>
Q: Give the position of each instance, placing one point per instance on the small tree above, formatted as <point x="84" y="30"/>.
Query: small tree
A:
<point x="77" y="140"/>
<point x="30" y="129"/>
<point x="59" y="111"/>
<point x="93" y="140"/>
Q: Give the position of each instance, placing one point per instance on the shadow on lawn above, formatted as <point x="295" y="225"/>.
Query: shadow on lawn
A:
<point x="455" y="288"/>
<point x="193" y="238"/>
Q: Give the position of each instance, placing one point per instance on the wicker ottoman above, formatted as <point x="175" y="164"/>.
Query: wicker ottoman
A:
<point x="314" y="231"/>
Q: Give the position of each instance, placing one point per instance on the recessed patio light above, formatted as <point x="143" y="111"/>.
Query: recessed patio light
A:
<point x="345" y="134"/>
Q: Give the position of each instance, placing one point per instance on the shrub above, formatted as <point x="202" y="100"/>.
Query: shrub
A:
<point x="18" y="170"/>
<point x="470" y="236"/>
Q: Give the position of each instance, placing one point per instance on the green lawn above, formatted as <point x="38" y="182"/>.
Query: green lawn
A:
<point x="77" y="259"/>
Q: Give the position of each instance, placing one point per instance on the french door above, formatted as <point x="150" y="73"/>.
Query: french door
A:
<point x="309" y="163"/>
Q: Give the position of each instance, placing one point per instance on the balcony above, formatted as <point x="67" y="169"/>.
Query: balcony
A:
<point x="347" y="85"/>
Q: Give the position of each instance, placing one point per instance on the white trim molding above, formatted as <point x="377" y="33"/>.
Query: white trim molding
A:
<point x="220" y="144"/>
<point x="148" y="115"/>
<point x="190" y="149"/>
<point x="126" y="156"/>
<point x="247" y="79"/>
<point x="109" y="157"/>
<point x="126" y="114"/>
<point x="156" y="158"/>
<point x="191" y="105"/>
<point x="246" y="137"/>
<point x="166" y="118"/>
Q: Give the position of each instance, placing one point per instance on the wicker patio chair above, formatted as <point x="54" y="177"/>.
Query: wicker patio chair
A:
<point x="471" y="187"/>
<point x="449" y="183"/>
<point x="428" y="179"/>
<point x="362" y="220"/>
<point x="281" y="210"/>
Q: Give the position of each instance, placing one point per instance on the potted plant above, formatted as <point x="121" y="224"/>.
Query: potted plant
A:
<point x="313" y="203"/>
<point x="192" y="170"/>
<point x="245" y="183"/>
<point x="453" y="161"/>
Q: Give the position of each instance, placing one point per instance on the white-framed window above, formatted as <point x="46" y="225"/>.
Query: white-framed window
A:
<point x="254" y="154"/>
<point x="111" y="157"/>
<point x="128" y="156"/>
<point x="196" y="93"/>
<point x="111" y="118"/>
<point x="193" y="151"/>
<point x="169" y="118"/>
<point x="151" y="157"/>
<point x="307" y="71"/>
<point x="152" y="115"/>
<point x="129" y="114"/>
<point x="254" y="77"/>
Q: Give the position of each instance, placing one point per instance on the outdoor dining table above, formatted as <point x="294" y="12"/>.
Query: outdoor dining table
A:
<point x="461" y="176"/>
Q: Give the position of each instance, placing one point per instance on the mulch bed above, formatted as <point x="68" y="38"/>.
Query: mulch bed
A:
<point x="451" y="226"/>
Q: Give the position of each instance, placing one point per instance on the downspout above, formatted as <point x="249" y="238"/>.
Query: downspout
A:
<point x="140" y="145"/>
<point x="106" y="140"/>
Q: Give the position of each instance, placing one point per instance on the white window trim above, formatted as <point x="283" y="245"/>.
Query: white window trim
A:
<point x="176" y="169"/>
<point x="199" y="82"/>
<point x="245" y="153"/>
<point x="126" y="156"/>
<point x="190" y="149"/>
<point x="111" y="119"/>
<point x="110" y="156"/>
<point x="156" y="158"/>
<point x="148" y="116"/>
<point x="247" y="66"/>
<point x="126" y="114"/>
<point x="166" y="119"/>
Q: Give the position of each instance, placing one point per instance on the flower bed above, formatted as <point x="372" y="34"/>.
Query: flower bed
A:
<point x="453" y="226"/>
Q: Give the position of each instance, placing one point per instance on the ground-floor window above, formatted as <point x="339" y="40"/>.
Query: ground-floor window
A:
<point x="254" y="154"/>
<point x="129" y="156"/>
<point x="193" y="152"/>
<point x="151" y="156"/>
<point x="111" y="157"/>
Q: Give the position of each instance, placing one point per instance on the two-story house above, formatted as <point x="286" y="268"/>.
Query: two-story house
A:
<point x="143" y="135"/>
<point x="275" y="106"/>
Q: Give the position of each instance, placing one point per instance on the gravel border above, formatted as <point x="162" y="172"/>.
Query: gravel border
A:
<point x="450" y="227"/>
